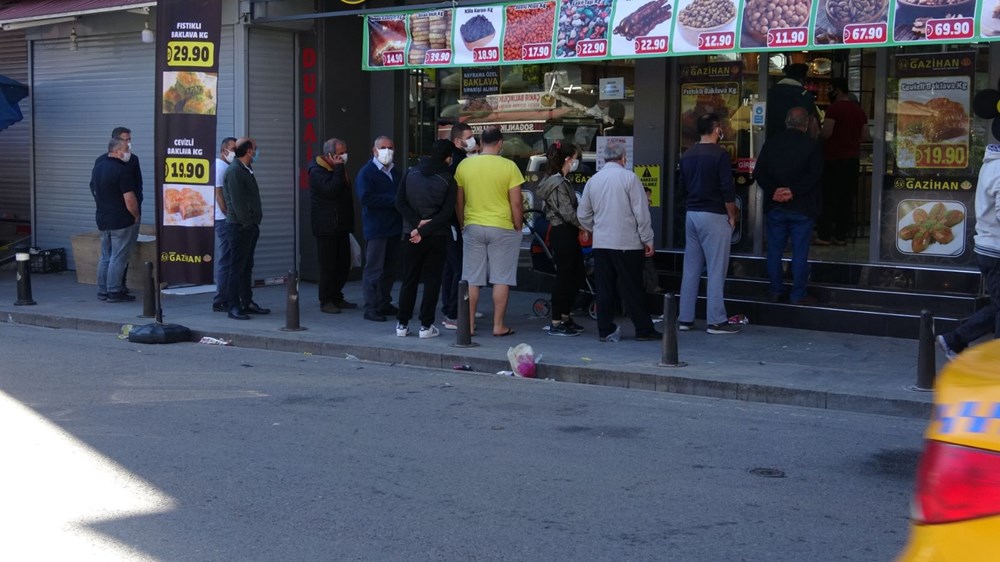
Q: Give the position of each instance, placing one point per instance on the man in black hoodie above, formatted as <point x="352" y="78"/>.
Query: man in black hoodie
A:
<point x="462" y="144"/>
<point x="332" y="212"/>
<point x="426" y="200"/>
<point x="789" y="169"/>
<point x="786" y="94"/>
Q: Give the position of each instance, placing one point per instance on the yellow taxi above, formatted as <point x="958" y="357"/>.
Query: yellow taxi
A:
<point x="956" y="507"/>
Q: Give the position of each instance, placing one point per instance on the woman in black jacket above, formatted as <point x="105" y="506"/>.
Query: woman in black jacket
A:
<point x="426" y="200"/>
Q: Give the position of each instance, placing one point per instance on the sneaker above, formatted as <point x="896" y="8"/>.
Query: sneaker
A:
<point x="613" y="336"/>
<point x="330" y="308"/>
<point x="429" y="332"/>
<point x="374" y="316"/>
<point x="651" y="336"/>
<point x="344" y="305"/>
<point x="220" y="308"/>
<point x="561" y="329"/>
<point x="402" y="331"/>
<point x="573" y="325"/>
<point x="685" y="326"/>
<point x="102" y="296"/>
<point x="449" y="323"/>
<point x="724" y="328"/>
<point x="949" y="353"/>
<point x="479" y="314"/>
<point x="120" y="297"/>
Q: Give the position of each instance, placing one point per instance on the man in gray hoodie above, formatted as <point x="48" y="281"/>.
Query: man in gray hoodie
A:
<point x="987" y="250"/>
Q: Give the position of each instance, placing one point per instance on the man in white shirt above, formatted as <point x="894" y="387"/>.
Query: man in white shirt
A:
<point x="223" y="246"/>
<point x="614" y="211"/>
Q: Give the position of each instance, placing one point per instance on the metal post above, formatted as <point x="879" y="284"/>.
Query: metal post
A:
<point x="148" y="293"/>
<point x="926" y="370"/>
<point x="23" y="279"/>
<point x="668" y="357"/>
<point x="292" y="304"/>
<point x="463" y="335"/>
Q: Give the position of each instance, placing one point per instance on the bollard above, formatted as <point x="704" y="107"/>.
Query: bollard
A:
<point x="148" y="293"/>
<point x="926" y="370"/>
<point x="463" y="336"/>
<point x="668" y="357"/>
<point x="292" y="304"/>
<point x="23" y="279"/>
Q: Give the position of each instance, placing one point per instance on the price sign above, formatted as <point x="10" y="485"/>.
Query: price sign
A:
<point x="486" y="54"/>
<point x="437" y="56"/>
<point x="788" y="37"/>
<point x="392" y="58"/>
<point x="862" y="33"/>
<point x="191" y="53"/>
<point x="186" y="170"/>
<point x="716" y="40"/>
<point x="536" y="51"/>
<point x="651" y="45"/>
<point x="957" y="28"/>
<point x="592" y="48"/>
<point x="942" y="156"/>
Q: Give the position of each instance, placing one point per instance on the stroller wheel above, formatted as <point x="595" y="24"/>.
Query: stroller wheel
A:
<point x="541" y="308"/>
<point x="592" y="310"/>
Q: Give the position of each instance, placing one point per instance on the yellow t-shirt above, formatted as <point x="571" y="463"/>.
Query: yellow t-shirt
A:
<point x="485" y="181"/>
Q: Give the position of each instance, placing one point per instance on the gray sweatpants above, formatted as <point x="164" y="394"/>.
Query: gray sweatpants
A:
<point x="707" y="247"/>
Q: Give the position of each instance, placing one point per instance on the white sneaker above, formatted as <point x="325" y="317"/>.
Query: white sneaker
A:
<point x="613" y="336"/>
<point x="402" y="331"/>
<point x="949" y="353"/>
<point x="449" y="324"/>
<point x="429" y="332"/>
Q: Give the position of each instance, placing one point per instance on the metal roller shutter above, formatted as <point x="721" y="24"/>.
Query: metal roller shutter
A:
<point x="79" y="96"/>
<point x="15" y="141"/>
<point x="271" y="112"/>
<point x="225" y="109"/>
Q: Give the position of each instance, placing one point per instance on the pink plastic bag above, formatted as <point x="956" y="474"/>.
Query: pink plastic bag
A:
<point x="522" y="360"/>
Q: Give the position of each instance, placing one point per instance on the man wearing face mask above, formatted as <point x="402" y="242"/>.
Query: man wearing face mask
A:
<point x="707" y="177"/>
<point x="332" y="214"/>
<point x="376" y="187"/>
<point x="135" y="171"/>
<point x="462" y="144"/>
<point x="117" y="217"/>
<point x="223" y="246"/>
<point x="243" y="216"/>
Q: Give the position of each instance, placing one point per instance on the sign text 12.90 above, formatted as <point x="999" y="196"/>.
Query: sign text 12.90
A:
<point x="186" y="170"/>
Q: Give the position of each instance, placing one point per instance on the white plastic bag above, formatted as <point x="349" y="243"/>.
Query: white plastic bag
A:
<point x="355" y="252"/>
<point x="522" y="360"/>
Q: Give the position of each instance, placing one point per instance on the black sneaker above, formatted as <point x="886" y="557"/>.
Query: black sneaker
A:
<point x="220" y="308"/>
<point x="572" y="325"/>
<point x="561" y="329"/>
<point x="651" y="336"/>
<point x="685" y="326"/>
<point x="102" y="296"/>
<point x="120" y="297"/>
<point x="254" y="308"/>
<point x="723" y="328"/>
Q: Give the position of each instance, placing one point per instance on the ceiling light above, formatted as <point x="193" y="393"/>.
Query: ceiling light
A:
<point x="72" y="39"/>
<point x="147" y="33"/>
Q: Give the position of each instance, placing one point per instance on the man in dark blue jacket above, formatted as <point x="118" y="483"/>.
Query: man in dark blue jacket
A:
<point x="332" y="214"/>
<point x="789" y="169"/>
<point x="113" y="188"/>
<point x="382" y="225"/>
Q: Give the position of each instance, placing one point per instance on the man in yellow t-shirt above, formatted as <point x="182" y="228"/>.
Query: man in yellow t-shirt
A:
<point x="490" y="211"/>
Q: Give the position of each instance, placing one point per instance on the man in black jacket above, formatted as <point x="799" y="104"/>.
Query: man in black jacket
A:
<point x="462" y="144"/>
<point x="789" y="169"/>
<point x="332" y="212"/>
<point x="786" y="94"/>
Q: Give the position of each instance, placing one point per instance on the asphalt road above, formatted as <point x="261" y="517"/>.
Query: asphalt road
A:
<point x="188" y="452"/>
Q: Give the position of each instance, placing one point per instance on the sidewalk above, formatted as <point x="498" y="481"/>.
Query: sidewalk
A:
<point x="761" y="364"/>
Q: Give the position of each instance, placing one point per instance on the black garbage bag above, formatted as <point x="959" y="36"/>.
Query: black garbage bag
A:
<point x="159" y="333"/>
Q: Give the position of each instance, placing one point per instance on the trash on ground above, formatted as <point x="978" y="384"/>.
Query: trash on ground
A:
<point x="522" y="360"/>
<point x="125" y="331"/>
<point x="739" y="319"/>
<point x="463" y="368"/>
<point x="215" y="341"/>
<point x="352" y="357"/>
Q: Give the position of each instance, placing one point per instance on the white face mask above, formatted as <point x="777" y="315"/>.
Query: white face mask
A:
<point x="126" y="157"/>
<point x="470" y="144"/>
<point x="229" y="157"/>
<point x="574" y="165"/>
<point x="343" y="158"/>
<point x="130" y="146"/>
<point x="385" y="156"/>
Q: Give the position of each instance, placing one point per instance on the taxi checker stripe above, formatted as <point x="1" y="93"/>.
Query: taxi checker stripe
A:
<point x="966" y="411"/>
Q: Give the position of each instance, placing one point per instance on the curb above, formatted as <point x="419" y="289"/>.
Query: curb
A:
<point x="671" y="383"/>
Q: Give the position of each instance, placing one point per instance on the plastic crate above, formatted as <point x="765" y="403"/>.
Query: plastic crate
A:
<point x="48" y="261"/>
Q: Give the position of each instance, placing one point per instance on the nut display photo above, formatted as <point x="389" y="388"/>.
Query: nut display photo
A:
<point x="704" y="25"/>
<point x="763" y="16"/>
<point x="477" y="34"/>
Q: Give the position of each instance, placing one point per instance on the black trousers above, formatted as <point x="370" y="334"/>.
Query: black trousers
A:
<point x="452" y="275"/>
<point x="244" y="240"/>
<point x="334" y="254"/>
<point x="569" y="268"/>
<point x="624" y="269"/>
<point x="840" y="188"/>
<point x="421" y="262"/>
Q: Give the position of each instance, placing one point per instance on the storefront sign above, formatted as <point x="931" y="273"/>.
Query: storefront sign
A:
<point x="710" y="88"/>
<point x="550" y="31"/>
<point x="187" y="74"/>
<point x="480" y="82"/>
<point x="650" y="178"/>
<point x="927" y="214"/>
<point x="612" y="88"/>
<point x="529" y="101"/>
<point x="604" y="142"/>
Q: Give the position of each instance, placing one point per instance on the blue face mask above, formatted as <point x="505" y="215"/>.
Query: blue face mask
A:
<point x="256" y="153"/>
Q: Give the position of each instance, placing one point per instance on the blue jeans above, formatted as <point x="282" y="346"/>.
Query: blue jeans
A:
<point x="116" y="247"/>
<point x="708" y="239"/>
<point x="782" y="225"/>
<point x="986" y="319"/>
<point x="223" y="262"/>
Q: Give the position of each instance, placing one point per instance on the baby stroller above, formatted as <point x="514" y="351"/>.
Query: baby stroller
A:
<point x="543" y="262"/>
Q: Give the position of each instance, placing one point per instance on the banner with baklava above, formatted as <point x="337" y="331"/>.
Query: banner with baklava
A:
<point x="928" y="213"/>
<point x="187" y="75"/>
<point x="560" y="30"/>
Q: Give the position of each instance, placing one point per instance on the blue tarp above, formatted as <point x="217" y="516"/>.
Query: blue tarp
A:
<point x="13" y="92"/>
